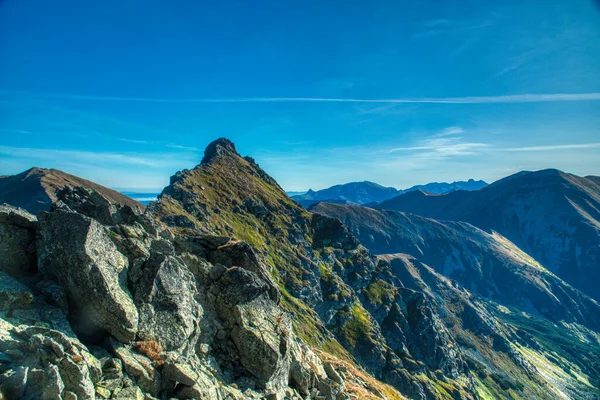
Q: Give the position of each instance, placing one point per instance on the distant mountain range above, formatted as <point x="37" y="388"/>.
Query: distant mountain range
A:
<point x="369" y="192"/>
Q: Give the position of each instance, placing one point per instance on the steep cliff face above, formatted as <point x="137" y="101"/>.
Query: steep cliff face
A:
<point x="551" y="215"/>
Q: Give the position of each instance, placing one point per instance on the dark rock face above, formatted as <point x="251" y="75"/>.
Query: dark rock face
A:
<point x="217" y="147"/>
<point x="17" y="240"/>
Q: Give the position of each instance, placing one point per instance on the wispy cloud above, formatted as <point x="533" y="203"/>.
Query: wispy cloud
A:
<point x="90" y="157"/>
<point x="442" y="145"/>
<point x="448" y="26"/>
<point x="515" y="98"/>
<point x="177" y="146"/>
<point x="554" y="147"/>
<point x="452" y="130"/>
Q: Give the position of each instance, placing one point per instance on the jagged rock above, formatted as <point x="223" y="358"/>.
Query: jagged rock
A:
<point x="241" y="254"/>
<point x="129" y="393"/>
<point x="76" y="377"/>
<point x="216" y="148"/>
<point x="261" y="332"/>
<point x="68" y="395"/>
<point x="331" y="232"/>
<point x="192" y="384"/>
<point x="92" y="203"/>
<point x="77" y="252"/>
<point x="45" y="384"/>
<point x="13" y="383"/>
<point x="169" y="313"/>
<point x="332" y="373"/>
<point x="139" y="367"/>
<point x="17" y="240"/>
<point x="13" y="294"/>
<point x="306" y="370"/>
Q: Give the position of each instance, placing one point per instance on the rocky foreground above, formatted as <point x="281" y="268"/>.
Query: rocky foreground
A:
<point x="224" y="288"/>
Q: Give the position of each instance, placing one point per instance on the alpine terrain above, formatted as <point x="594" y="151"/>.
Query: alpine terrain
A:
<point x="226" y="288"/>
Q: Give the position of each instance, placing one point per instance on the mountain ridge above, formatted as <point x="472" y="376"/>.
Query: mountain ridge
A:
<point x="37" y="188"/>
<point x="367" y="192"/>
<point x="551" y="215"/>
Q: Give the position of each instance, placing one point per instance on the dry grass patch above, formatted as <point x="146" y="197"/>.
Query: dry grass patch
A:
<point x="151" y="349"/>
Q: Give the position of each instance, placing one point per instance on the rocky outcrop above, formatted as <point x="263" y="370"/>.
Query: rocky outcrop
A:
<point x="17" y="240"/>
<point x="153" y="315"/>
<point x="77" y="252"/>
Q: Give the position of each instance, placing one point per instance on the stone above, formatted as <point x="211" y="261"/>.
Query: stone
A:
<point x="332" y="373"/>
<point x="102" y="392"/>
<point x="168" y="310"/>
<point x="241" y="254"/>
<point x="129" y="393"/>
<point x="17" y="240"/>
<point x="91" y="203"/>
<point x="13" y="294"/>
<point x="76" y="378"/>
<point x="68" y="395"/>
<point x="13" y="383"/>
<point x="77" y="252"/>
<point x="261" y="331"/>
<point x="182" y="373"/>
<point x="139" y="367"/>
<point x="44" y="384"/>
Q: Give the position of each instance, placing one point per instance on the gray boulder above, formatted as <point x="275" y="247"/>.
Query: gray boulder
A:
<point x="260" y="330"/>
<point x="165" y="296"/>
<point x="13" y="294"/>
<point x="17" y="240"/>
<point x="241" y="254"/>
<point x="76" y="251"/>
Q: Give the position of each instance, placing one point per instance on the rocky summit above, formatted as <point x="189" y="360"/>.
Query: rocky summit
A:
<point x="225" y="288"/>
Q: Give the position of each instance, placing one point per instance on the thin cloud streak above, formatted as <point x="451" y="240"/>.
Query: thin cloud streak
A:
<point x="516" y="98"/>
<point x="90" y="157"/>
<point x="555" y="147"/>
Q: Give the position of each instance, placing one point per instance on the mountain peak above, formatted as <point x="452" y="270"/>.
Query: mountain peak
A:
<point x="217" y="147"/>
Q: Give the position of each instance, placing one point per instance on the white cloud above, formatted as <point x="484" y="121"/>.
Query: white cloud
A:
<point x="554" y="147"/>
<point x="90" y="157"/>
<point x="515" y="98"/>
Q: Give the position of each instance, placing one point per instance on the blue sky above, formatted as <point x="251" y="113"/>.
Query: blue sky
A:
<point x="126" y="93"/>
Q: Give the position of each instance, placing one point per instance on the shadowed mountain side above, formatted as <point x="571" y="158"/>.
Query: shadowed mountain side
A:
<point x="487" y="264"/>
<point x="551" y="215"/>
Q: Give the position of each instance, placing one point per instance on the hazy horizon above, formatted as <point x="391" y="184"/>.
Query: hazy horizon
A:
<point x="398" y="93"/>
